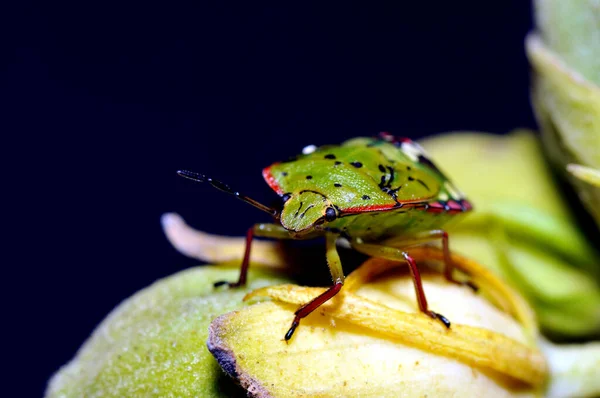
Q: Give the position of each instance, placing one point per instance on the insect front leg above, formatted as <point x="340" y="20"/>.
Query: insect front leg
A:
<point x="427" y="236"/>
<point x="395" y="254"/>
<point x="262" y="230"/>
<point x="337" y="274"/>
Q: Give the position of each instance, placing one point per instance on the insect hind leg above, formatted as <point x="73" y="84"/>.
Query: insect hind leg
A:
<point x="395" y="254"/>
<point x="427" y="236"/>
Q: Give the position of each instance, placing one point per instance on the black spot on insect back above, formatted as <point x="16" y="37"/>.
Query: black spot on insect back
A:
<point x="366" y="197"/>
<point x="330" y="156"/>
<point x="337" y="185"/>
<point x="411" y="178"/>
<point x="423" y="183"/>
<point x="358" y="165"/>
<point x="284" y="173"/>
<point x="381" y="168"/>
<point x="337" y="163"/>
<point x="309" y="177"/>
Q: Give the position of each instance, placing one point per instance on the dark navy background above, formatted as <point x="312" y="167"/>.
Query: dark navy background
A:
<point x="103" y="102"/>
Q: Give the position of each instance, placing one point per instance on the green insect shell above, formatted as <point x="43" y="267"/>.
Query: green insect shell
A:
<point x="365" y="190"/>
<point x="366" y="187"/>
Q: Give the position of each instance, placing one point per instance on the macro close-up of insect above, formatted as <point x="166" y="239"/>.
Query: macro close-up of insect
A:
<point x="380" y="194"/>
<point x="428" y="217"/>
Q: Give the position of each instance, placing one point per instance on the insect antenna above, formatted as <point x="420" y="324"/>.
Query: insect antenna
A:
<point x="190" y="175"/>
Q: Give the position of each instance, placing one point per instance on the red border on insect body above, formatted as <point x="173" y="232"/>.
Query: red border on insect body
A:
<point x="384" y="207"/>
<point x="451" y="207"/>
<point x="384" y="135"/>
<point x="270" y="179"/>
<point x="466" y="205"/>
<point x="362" y="209"/>
<point x="436" y="207"/>
<point x="454" y="207"/>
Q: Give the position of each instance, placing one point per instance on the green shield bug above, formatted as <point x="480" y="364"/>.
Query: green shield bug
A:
<point x="381" y="194"/>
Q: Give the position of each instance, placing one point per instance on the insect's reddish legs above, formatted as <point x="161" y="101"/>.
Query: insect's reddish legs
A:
<point x="426" y="236"/>
<point x="245" y="263"/>
<point x="393" y="253"/>
<point x="421" y="300"/>
<point x="449" y="265"/>
<point x="264" y="230"/>
<point x="337" y="274"/>
<point x="311" y="306"/>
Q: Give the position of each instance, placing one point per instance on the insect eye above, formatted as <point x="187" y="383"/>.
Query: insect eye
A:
<point x="330" y="214"/>
<point x="285" y="197"/>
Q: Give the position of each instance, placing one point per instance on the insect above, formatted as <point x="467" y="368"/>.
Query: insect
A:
<point x="381" y="194"/>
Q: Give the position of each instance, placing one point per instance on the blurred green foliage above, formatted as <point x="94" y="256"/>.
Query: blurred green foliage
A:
<point x="522" y="227"/>
<point x="565" y="54"/>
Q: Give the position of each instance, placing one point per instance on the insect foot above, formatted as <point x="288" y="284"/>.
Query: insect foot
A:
<point x="472" y="285"/>
<point x="292" y="329"/>
<point x="229" y="284"/>
<point x="469" y="284"/>
<point x="440" y="317"/>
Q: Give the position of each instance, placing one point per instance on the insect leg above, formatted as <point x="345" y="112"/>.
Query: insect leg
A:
<point x="262" y="230"/>
<point x="337" y="274"/>
<point x="392" y="253"/>
<point x="426" y="236"/>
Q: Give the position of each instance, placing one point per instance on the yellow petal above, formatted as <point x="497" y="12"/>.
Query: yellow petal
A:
<point x="502" y="294"/>
<point x="370" y="345"/>
<point x="587" y="174"/>
<point x="217" y="249"/>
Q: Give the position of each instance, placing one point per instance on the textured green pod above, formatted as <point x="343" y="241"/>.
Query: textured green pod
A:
<point x="154" y="343"/>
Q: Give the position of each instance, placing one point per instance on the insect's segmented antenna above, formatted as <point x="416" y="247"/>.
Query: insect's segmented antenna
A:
<point x="190" y="175"/>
